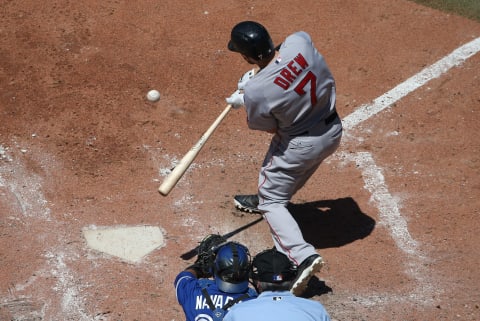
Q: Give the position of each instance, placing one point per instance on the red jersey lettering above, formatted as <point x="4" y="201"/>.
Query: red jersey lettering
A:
<point x="293" y="68"/>
<point x="299" y="59"/>
<point x="288" y="74"/>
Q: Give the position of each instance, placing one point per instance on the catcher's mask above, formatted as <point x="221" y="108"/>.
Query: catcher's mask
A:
<point x="231" y="267"/>
<point x="251" y="39"/>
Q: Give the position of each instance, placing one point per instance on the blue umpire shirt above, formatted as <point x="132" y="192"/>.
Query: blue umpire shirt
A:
<point x="275" y="306"/>
<point x="188" y="290"/>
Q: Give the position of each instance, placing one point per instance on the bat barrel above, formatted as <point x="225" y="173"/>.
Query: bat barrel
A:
<point x="172" y="179"/>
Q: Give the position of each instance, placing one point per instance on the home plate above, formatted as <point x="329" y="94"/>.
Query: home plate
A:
<point x="128" y="243"/>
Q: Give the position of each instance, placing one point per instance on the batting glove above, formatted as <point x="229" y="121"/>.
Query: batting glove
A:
<point x="236" y="99"/>
<point x="245" y="78"/>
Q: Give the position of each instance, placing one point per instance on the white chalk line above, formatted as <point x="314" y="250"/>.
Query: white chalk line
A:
<point x="389" y="211"/>
<point x="26" y="187"/>
<point x="388" y="207"/>
<point x="390" y="217"/>
<point x="72" y="302"/>
<point x="374" y="181"/>
<point x="456" y="58"/>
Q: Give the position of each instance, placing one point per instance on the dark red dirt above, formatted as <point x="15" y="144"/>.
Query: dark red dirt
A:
<point x="80" y="146"/>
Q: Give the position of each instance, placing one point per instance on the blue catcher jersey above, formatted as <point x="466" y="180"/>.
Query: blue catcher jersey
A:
<point x="195" y="306"/>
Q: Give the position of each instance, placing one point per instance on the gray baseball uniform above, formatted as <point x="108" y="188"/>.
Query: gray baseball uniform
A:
<point x="295" y="96"/>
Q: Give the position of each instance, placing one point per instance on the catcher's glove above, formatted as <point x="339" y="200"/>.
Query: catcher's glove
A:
<point x="206" y="254"/>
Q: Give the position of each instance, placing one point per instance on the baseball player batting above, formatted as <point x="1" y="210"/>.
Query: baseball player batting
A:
<point x="292" y="96"/>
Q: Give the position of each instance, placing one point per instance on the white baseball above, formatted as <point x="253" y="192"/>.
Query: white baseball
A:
<point x="153" y="95"/>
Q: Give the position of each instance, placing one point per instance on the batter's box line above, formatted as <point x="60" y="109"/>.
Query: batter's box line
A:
<point x="389" y="210"/>
<point x="391" y="217"/>
<point x="372" y="174"/>
<point x="455" y="58"/>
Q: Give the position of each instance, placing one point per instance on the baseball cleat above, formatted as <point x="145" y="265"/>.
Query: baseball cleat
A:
<point x="247" y="203"/>
<point x="306" y="270"/>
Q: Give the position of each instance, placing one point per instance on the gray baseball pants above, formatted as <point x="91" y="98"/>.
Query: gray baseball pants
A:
<point x="288" y="164"/>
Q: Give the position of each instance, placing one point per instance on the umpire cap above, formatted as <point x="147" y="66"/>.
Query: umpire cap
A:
<point x="272" y="266"/>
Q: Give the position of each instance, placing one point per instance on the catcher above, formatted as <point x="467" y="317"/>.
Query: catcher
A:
<point x="204" y="299"/>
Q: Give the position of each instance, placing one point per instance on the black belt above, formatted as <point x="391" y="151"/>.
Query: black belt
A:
<point x="331" y="118"/>
<point x="327" y="121"/>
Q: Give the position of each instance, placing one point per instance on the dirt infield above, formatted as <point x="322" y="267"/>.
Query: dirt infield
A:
<point x="394" y="212"/>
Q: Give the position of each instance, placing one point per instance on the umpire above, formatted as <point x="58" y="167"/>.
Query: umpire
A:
<point x="272" y="274"/>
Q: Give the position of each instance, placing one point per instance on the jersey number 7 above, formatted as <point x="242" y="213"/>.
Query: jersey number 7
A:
<point x="312" y="79"/>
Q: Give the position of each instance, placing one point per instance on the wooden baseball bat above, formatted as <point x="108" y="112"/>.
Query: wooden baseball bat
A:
<point x="177" y="173"/>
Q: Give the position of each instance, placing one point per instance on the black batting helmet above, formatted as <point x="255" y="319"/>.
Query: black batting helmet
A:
<point x="251" y="39"/>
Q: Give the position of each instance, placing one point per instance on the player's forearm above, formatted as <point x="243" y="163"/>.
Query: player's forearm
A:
<point x="195" y="271"/>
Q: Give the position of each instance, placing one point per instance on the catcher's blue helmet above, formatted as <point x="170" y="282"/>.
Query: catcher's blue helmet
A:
<point x="231" y="268"/>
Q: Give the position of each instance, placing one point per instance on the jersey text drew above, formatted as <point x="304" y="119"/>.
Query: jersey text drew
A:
<point x="291" y="71"/>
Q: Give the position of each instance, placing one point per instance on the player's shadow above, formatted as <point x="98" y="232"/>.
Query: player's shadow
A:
<point x="316" y="287"/>
<point x="332" y="223"/>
